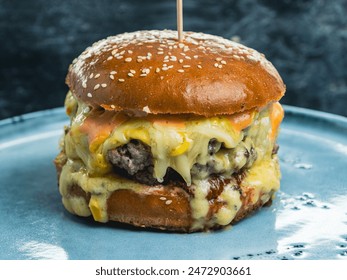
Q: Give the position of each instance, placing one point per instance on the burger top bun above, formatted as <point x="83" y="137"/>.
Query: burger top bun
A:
<point x="151" y="71"/>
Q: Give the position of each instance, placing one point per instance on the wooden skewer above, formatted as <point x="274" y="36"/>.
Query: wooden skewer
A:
<point x="179" y="20"/>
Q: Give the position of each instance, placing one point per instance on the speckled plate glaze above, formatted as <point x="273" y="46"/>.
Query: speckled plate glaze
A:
<point x="308" y="218"/>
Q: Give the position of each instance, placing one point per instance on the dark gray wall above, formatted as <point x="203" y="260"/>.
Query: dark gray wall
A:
<point x="305" y="39"/>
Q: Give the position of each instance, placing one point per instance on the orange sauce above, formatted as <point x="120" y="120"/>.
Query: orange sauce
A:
<point x="276" y="117"/>
<point x="241" y="120"/>
<point x="99" y="124"/>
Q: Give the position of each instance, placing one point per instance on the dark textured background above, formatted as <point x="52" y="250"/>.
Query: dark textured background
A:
<point x="305" y="39"/>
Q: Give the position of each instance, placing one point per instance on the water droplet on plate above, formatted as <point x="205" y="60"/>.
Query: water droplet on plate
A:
<point x="305" y="166"/>
<point x="298" y="246"/>
<point x="308" y="195"/>
<point x="298" y="253"/>
<point x="270" y="252"/>
<point x="344" y="254"/>
<point x="310" y="203"/>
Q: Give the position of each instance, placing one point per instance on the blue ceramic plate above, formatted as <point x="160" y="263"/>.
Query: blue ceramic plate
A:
<point x="308" y="219"/>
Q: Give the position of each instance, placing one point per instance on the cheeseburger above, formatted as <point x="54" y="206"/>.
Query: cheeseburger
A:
<point x="172" y="135"/>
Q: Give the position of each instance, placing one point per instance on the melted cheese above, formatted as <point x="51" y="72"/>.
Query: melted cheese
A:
<point x="199" y="204"/>
<point x="175" y="143"/>
<point x="232" y="204"/>
<point x="262" y="177"/>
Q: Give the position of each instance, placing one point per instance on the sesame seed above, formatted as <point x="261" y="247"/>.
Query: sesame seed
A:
<point x="160" y="49"/>
<point x="143" y="75"/>
<point x="110" y="57"/>
<point x="128" y="59"/>
<point x="119" y="57"/>
<point x="91" y="76"/>
<point x="186" y="48"/>
<point x="166" y="60"/>
<point x="84" y="85"/>
<point x="89" y="95"/>
<point x="220" y="66"/>
<point x="114" y="52"/>
<point x="157" y="70"/>
<point x="113" y="107"/>
<point x="104" y="85"/>
<point x="168" y="202"/>
<point x="162" y="198"/>
<point x="186" y="66"/>
<point x="251" y="58"/>
<point x="180" y="60"/>
<point x="171" y="66"/>
<point x="139" y="60"/>
<point x="173" y="58"/>
<point x="132" y="71"/>
<point x="113" y="72"/>
<point x="188" y="57"/>
<point x="146" y="109"/>
<point x="219" y="59"/>
<point x="195" y="56"/>
<point x="199" y="66"/>
<point x="121" y="80"/>
<point x="164" y="68"/>
<point x="111" y="77"/>
<point x="180" y="70"/>
<point x="96" y="76"/>
<point x="122" y="52"/>
<point x="96" y="86"/>
<point x="149" y="54"/>
<point x="130" y="74"/>
<point x="223" y="62"/>
<point x="175" y="47"/>
<point x="181" y="45"/>
<point x="160" y="52"/>
<point x="216" y="65"/>
<point x="182" y="53"/>
<point x="130" y="51"/>
<point x="166" y="57"/>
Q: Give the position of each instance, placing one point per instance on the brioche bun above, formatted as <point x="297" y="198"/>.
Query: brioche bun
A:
<point x="206" y="75"/>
